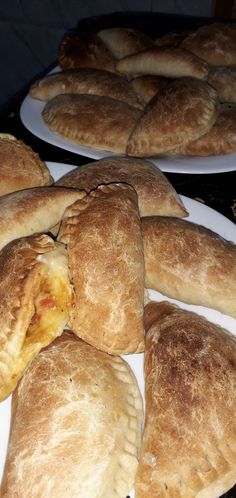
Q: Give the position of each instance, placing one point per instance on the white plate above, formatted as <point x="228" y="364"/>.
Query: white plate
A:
<point x="199" y="213"/>
<point x="30" y="114"/>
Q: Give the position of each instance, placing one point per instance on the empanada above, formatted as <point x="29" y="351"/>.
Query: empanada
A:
<point x="156" y="196"/>
<point x="20" y="166"/>
<point x="76" y="425"/>
<point x="78" y="50"/>
<point x="182" y="111"/>
<point x="33" y="210"/>
<point x="124" y="41"/>
<point x="35" y="302"/>
<point x="149" y="85"/>
<point x="171" y="62"/>
<point x="104" y="243"/>
<point x="189" y="262"/>
<point x="91" y="81"/>
<point x="223" y="79"/>
<point x="189" y="440"/>
<point x="91" y="120"/>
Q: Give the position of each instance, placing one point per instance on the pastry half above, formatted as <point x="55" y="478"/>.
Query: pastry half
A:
<point x="125" y="41"/>
<point x="87" y="80"/>
<point x="20" y="166"/>
<point x="171" y="62"/>
<point x="35" y="301"/>
<point x="182" y="111"/>
<point x="190" y="263"/>
<point x="189" y="440"/>
<point x="76" y="425"/>
<point x="156" y="195"/>
<point x="91" y="120"/>
<point x="79" y="50"/>
<point x="104" y="243"/>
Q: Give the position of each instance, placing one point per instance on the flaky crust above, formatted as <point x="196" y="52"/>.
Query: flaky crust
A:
<point x="125" y="41"/>
<point x="188" y="262"/>
<point x="182" y="111"/>
<point x="20" y="166"/>
<point x="149" y="85"/>
<point x="156" y="196"/>
<point x="104" y="243"/>
<point x="215" y="43"/>
<point x="91" y="81"/>
<point x="223" y="79"/>
<point x="219" y="140"/>
<point x="91" y="120"/>
<point x="80" y="50"/>
<point x="76" y="425"/>
<point x="171" y="62"/>
<point x="189" y="443"/>
<point x="33" y="210"/>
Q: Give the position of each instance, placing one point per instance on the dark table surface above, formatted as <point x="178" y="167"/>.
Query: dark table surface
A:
<point x="215" y="190"/>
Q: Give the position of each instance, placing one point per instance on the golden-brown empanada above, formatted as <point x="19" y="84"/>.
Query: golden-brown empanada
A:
<point x="35" y="302"/>
<point x="105" y="251"/>
<point x="182" y="111"/>
<point x="189" y="440"/>
<point x="20" y="166"/>
<point x="33" y="210"/>
<point x="91" y="81"/>
<point x="223" y="79"/>
<point x="171" y="62"/>
<point x="156" y="196"/>
<point x="91" y="120"/>
<point x="79" y="50"/>
<point x="125" y="41"/>
<point x="149" y="85"/>
<point x="188" y="262"/>
<point x="76" y="425"/>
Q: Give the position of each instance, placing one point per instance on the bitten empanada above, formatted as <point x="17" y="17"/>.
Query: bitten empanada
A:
<point x="125" y="41"/>
<point x="189" y="440"/>
<point x="156" y="196"/>
<point x="35" y="302"/>
<point x="104" y="243"/>
<point x="76" y="425"/>
<point x="91" y="120"/>
<point x="190" y="263"/>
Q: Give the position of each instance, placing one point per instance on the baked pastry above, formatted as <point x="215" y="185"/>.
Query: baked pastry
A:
<point x="125" y="41"/>
<point x="171" y="62"/>
<point x="76" y="425"/>
<point x="104" y="243"/>
<point x="188" y="446"/>
<point x="90" y="120"/>
<point x="35" y="302"/>
<point x="172" y="38"/>
<point x="20" y="166"/>
<point x="223" y="79"/>
<point x="188" y="262"/>
<point x="156" y="195"/>
<point x="182" y="111"/>
<point x="79" y="50"/>
<point x="215" y="43"/>
<point x="219" y="140"/>
<point x="92" y="81"/>
<point x="149" y="85"/>
<point x="33" y="210"/>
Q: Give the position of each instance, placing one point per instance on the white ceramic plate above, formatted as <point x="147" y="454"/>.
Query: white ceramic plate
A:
<point x="199" y="213"/>
<point x="30" y="114"/>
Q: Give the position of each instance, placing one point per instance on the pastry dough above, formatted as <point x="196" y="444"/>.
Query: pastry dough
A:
<point x="104" y="244"/>
<point x="188" y="262"/>
<point x="35" y="302"/>
<point x="79" y="50"/>
<point x="223" y="79"/>
<point x="20" y="166"/>
<point x="189" y="443"/>
<point x="90" y="120"/>
<point x="92" y="81"/>
<point x="215" y="43"/>
<point x="182" y="111"/>
<point x="156" y="196"/>
<point x="76" y="425"/>
<point x="171" y="62"/>
<point x="219" y="140"/>
<point x="125" y="41"/>
<point x="33" y="210"/>
<point x="149" y="85"/>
